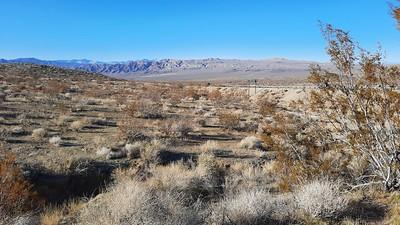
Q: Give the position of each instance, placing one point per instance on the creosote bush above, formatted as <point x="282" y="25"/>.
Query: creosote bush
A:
<point x="361" y="105"/>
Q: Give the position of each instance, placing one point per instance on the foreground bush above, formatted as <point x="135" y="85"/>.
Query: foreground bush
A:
<point x="16" y="196"/>
<point x="321" y="199"/>
<point x="362" y="106"/>
<point x="251" y="207"/>
<point x="131" y="202"/>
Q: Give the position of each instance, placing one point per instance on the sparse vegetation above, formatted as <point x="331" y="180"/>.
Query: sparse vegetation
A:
<point x="99" y="150"/>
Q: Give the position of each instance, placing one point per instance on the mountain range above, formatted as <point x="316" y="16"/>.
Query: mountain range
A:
<point x="192" y="69"/>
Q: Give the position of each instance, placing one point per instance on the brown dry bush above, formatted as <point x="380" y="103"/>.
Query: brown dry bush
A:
<point x="176" y="128"/>
<point x="54" y="87"/>
<point x="234" y="98"/>
<point x="214" y="95"/>
<point x="175" y="95"/>
<point x="131" y="130"/>
<point x="191" y="92"/>
<point x="229" y="120"/>
<point x="268" y="106"/>
<point x="16" y="195"/>
<point x="144" y="109"/>
<point x="304" y="149"/>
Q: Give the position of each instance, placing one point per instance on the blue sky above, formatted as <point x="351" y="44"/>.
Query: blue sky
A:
<point x="251" y="29"/>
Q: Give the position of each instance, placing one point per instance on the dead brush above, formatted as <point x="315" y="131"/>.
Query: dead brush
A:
<point x="144" y="109"/>
<point x="55" y="87"/>
<point x="229" y="120"/>
<point x="268" y="106"/>
<point x="131" y="130"/>
<point x="214" y="95"/>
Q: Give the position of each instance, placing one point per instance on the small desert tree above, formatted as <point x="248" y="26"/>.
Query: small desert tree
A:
<point x="360" y="102"/>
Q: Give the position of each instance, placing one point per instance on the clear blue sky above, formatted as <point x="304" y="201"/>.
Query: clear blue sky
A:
<point x="155" y="29"/>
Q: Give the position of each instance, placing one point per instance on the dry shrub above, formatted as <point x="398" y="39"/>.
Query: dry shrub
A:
<point x="360" y="101"/>
<point x="144" y="109"/>
<point x="166" y="127"/>
<point x="176" y="127"/>
<point x="133" y="150"/>
<point x="182" y="128"/>
<point x="304" y="150"/>
<point x="79" y="124"/>
<point x="245" y="176"/>
<point x="235" y="97"/>
<point x="56" y="214"/>
<point x="131" y="202"/>
<point x="63" y="120"/>
<point x="16" y="195"/>
<point x="55" y="141"/>
<point x="51" y="216"/>
<point x="175" y="95"/>
<point x="38" y="134"/>
<point x="131" y="129"/>
<point x="393" y="216"/>
<point x="191" y="92"/>
<point x="250" y="142"/>
<point x="321" y="199"/>
<point x="229" y="120"/>
<point x="214" y="95"/>
<point x="210" y="147"/>
<point x="55" y="87"/>
<point x="151" y="152"/>
<point x="396" y="14"/>
<point x="250" y="207"/>
<point x="268" y="106"/>
<point x="196" y="184"/>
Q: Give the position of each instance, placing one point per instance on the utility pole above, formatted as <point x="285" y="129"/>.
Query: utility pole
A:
<point x="255" y="87"/>
<point x="249" y="83"/>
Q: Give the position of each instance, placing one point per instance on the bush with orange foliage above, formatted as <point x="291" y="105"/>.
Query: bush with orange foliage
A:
<point x="16" y="194"/>
<point x="396" y="14"/>
<point x="362" y="105"/>
<point x="355" y="116"/>
<point x="304" y="150"/>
